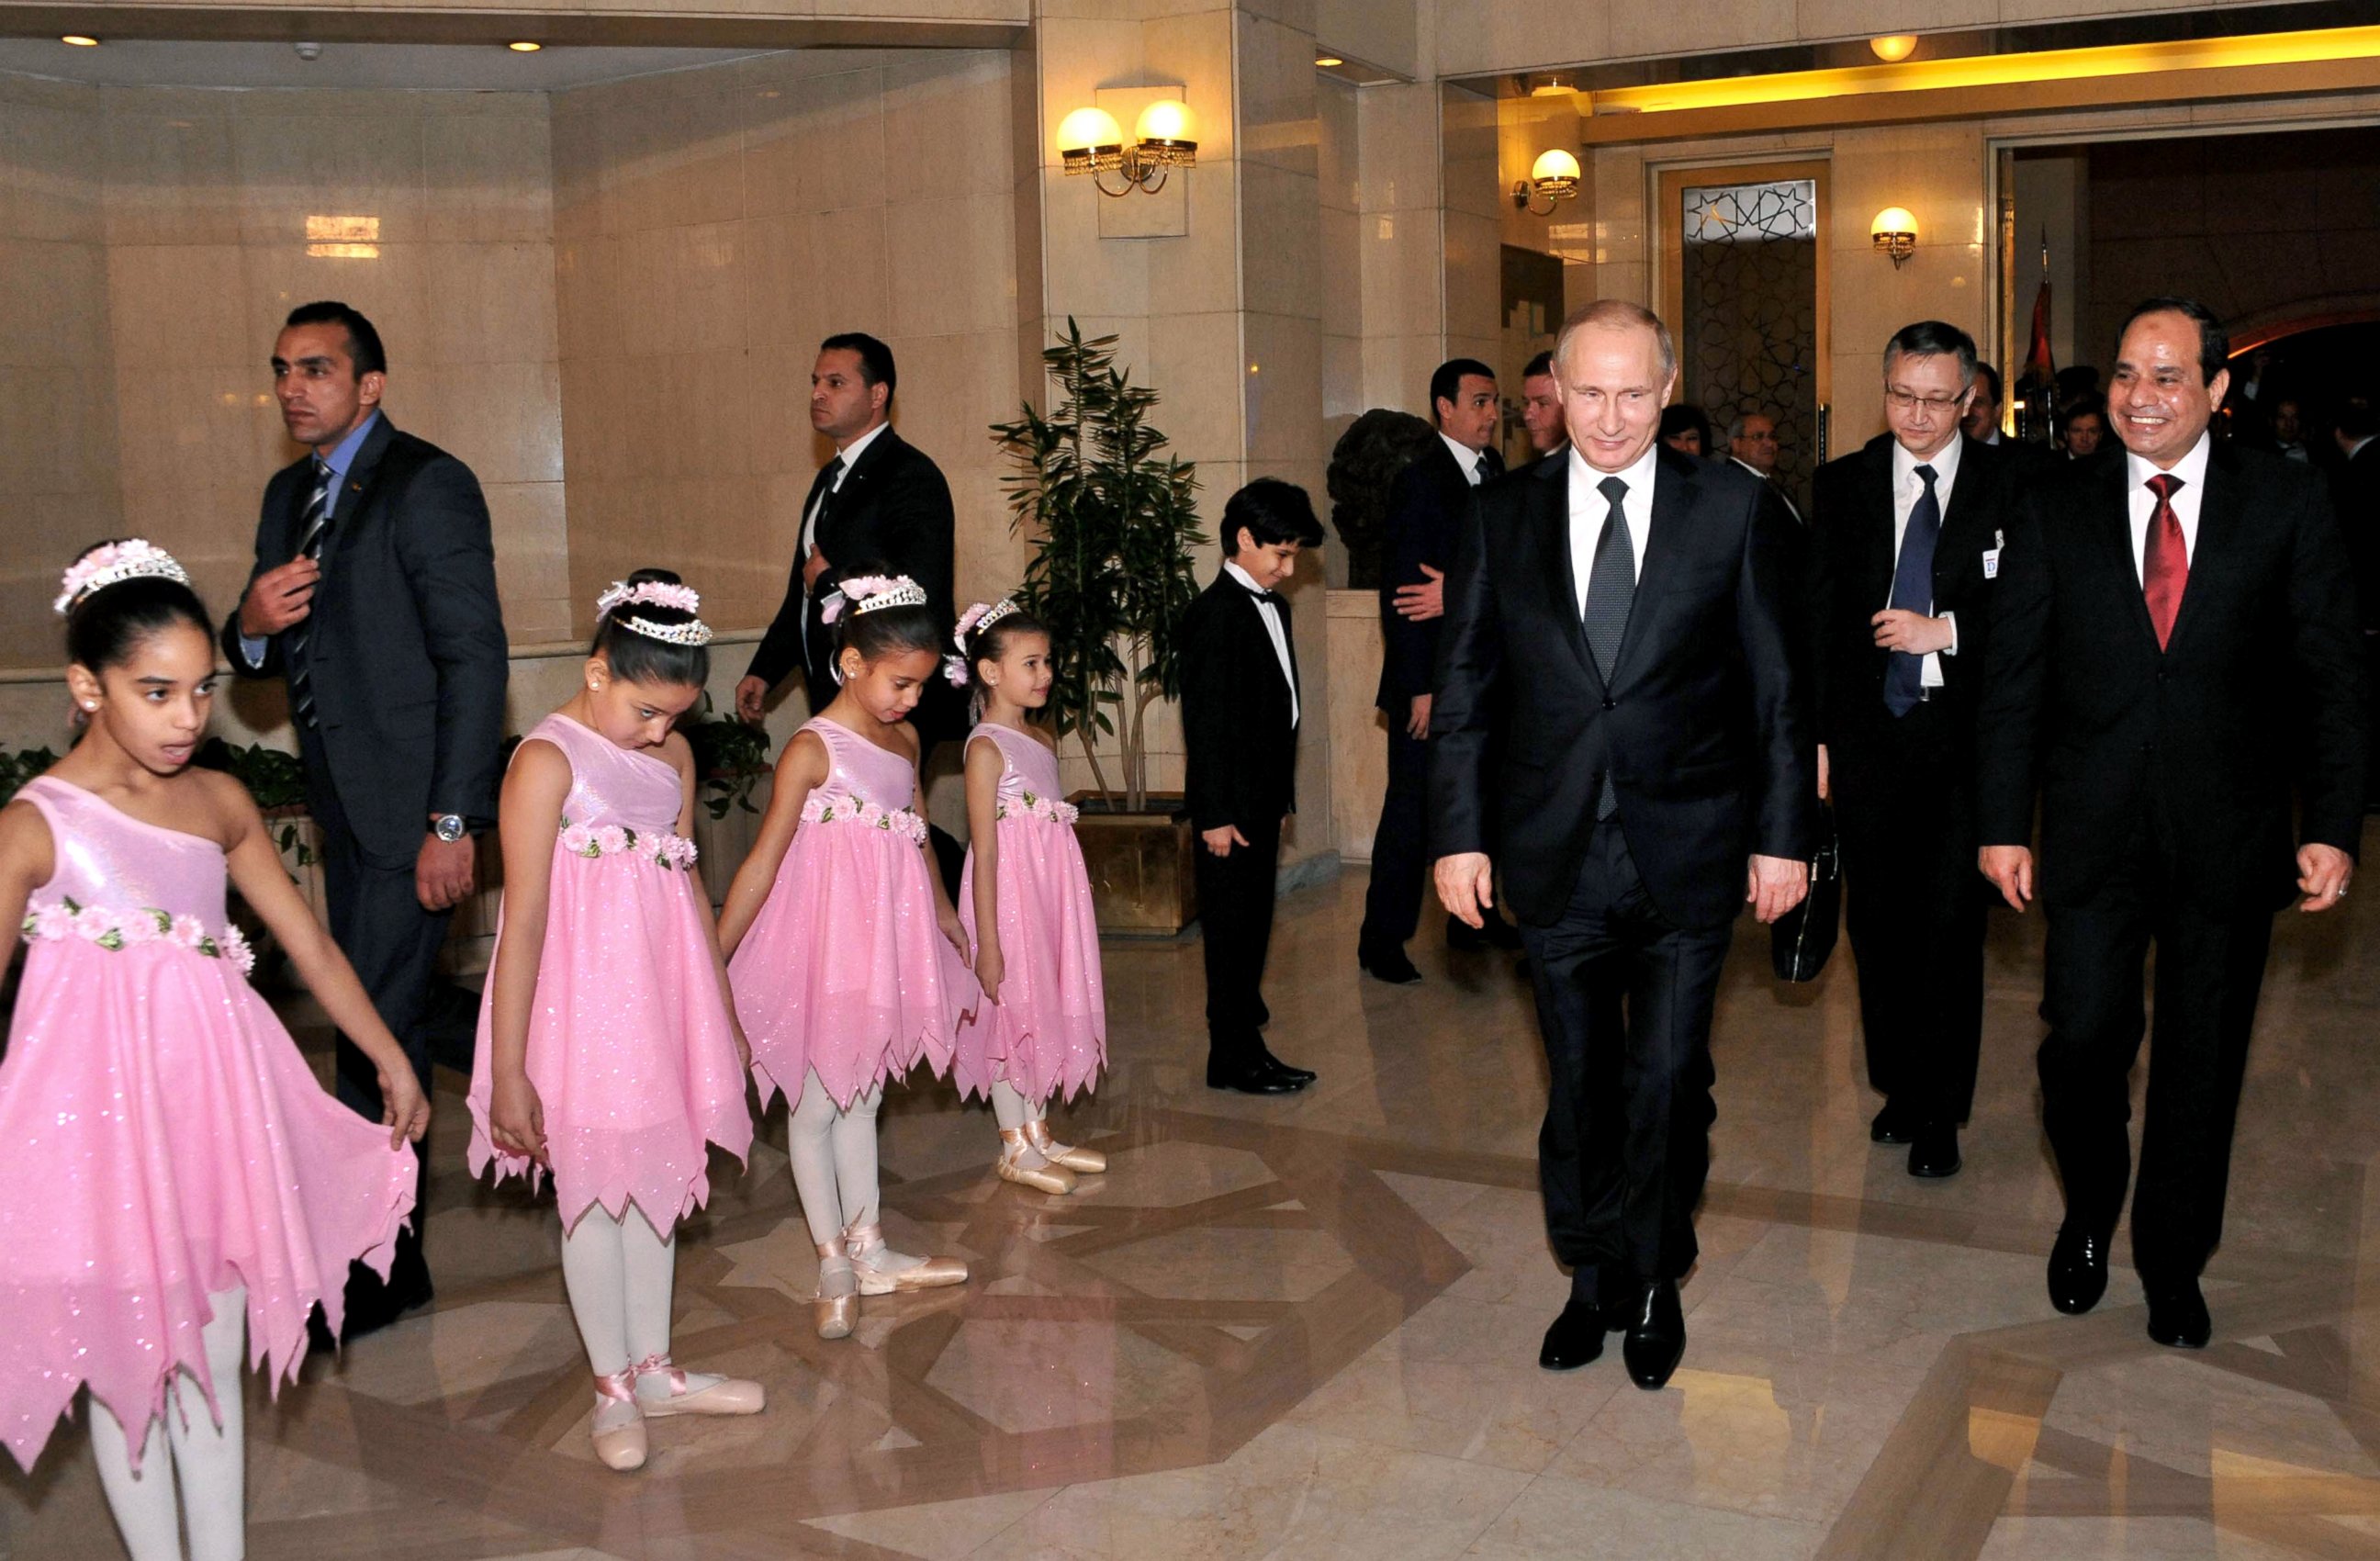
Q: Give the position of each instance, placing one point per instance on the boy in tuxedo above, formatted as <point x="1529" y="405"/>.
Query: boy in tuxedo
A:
<point x="1240" y="711"/>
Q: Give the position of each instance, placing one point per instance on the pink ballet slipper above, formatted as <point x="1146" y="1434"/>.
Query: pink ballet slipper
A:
<point x="619" y="1426"/>
<point x="664" y="1390"/>
<point x="1082" y="1162"/>
<point x="882" y="1271"/>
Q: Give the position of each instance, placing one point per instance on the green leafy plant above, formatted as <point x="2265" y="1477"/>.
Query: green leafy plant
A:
<point x="20" y="765"/>
<point x="1113" y="525"/>
<point x="1364" y="467"/>
<point x="275" y="780"/>
<point x="730" y="756"/>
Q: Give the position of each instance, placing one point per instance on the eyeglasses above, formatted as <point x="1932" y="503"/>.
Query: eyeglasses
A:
<point x="1902" y="400"/>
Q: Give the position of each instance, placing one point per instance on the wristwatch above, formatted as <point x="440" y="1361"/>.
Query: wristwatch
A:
<point x="447" y="827"/>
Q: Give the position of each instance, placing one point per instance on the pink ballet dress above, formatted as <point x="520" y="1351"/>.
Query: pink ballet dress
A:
<point x="845" y="969"/>
<point x="1048" y="1033"/>
<point x="629" y="1044"/>
<point x="165" y="1140"/>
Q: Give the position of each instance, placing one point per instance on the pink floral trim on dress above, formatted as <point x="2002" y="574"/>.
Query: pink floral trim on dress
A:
<point x="845" y="810"/>
<point x="1049" y="810"/>
<point x="663" y="850"/>
<point x="117" y="930"/>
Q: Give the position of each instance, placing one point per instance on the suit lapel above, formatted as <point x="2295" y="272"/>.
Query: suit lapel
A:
<point x="2112" y="519"/>
<point x="1549" y="514"/>
<point x="1876" y="540"/>
<point x="1674" y="486"/>
<point x="355" y="488"/>
<point x="2212" y="555"/>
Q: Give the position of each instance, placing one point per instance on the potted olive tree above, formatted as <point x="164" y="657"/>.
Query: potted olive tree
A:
<point x="1113" y="525"/>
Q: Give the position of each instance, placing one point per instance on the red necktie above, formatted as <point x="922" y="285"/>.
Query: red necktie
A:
<point x="2165" y="562"/>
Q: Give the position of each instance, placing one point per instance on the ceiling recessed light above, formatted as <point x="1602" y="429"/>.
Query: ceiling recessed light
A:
<point x="80" y="40"/>
<point x="1324" y="62"/>
<point x="1893" y="47"/>
<point x="523" y="46"/>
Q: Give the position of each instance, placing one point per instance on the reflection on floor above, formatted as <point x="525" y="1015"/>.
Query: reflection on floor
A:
<point x="1307" y="1327"/>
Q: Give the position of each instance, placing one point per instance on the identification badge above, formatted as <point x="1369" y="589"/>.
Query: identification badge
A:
<point x="1991" y="563"/>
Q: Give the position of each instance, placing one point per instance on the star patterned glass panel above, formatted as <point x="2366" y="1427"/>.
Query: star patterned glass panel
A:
<point x="1749" y="335"/>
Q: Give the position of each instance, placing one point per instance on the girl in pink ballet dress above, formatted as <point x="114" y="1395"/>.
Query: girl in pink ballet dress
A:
<point x="1025" y="901"/>
<point x="179" y="1179"/>
<point x="608" y="1054"/>
<point x="846" y="958"/>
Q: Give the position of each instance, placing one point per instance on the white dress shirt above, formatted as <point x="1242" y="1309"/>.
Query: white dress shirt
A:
<point x="1465" y="457"/>
<point x="1588" y="508"/>
<point x="1774" y="487"/>
<point x="1905" y="490"/>
<point x="1271" y="616"/>
<point x="2192" y="469"/>
<point x="849" y="455"/>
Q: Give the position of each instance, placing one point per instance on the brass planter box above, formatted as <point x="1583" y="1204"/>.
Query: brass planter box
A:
<point x="1143" y="869"/>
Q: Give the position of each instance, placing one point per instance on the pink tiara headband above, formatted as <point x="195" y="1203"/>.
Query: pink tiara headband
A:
<point x="870" y="593"/>
<point x="982" y="615"/>
<point x="656" y="593"/>
<point x="114" y="563"/>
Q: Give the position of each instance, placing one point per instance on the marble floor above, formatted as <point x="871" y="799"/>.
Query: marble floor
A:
<point x="1307" y="1327"/>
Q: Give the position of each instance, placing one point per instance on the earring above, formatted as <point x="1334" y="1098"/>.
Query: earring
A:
<point x="593" y="687"/>
<point x="91" y="704"/>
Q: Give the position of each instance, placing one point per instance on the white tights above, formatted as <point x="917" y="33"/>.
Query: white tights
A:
<point x="1010" y="1108"/>
<point x="619" y="1273"/>
<point x="208" y="1459"/>
<point x="834" y="1159"/>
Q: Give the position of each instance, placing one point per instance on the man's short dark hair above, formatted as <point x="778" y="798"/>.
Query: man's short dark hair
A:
<point x="2089" y="407"/>
<point x="1543" y="364"/>
<point x="363" y="341"/>
<point x="2359" y="420"/>
<point x="875" y="359"/>
<point x="1991" y="379"/>
<point x="1930" y="338"/>
<point x="1446" y="384"/>
<point x="2214" y="341"/>
<point x="1273" y="512"/>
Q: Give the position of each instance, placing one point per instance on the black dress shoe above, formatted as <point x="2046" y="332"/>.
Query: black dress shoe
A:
<point x="1301" y="1077"/>
<point x="1249" y="1076"/>
<point x="1935" y="1150"/>
<point x="1387" y="964"/>
<point x="1657" y="1335"/>
<point x="1890" y="1126"/>
<point x="2078" y="1272"/>
<point x="1575" y="1339"/>
<point x="2178" y="1316"/>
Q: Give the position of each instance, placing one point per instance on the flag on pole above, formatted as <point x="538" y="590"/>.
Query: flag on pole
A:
<point x="2039" y="367"/>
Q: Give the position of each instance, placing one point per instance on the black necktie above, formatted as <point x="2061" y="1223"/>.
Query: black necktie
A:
<point x="313" y="530"/>
<point x="1610" y="592"/>
<point x="822" y="494"/>
<point x="1491" y="464"/>
<point x="1913" y="591"/>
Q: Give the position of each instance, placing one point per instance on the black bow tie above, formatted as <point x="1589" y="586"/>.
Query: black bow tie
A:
<point x="1270" y="599"/>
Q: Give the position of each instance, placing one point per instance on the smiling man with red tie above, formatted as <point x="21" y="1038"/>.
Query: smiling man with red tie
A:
<point x="2174" y="648"/>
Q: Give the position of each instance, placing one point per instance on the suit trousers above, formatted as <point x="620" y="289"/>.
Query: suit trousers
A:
<point x="380" y="926"/>
<point x="1236" y="901"/>
<point x="1916" y="909"/>
<point x="2210" y="967"/>
<point x="1400" y="846"/>
<point x="1625" y="1001"/>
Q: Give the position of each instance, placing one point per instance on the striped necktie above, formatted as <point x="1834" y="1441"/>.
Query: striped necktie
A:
<point x="313" y="527"/>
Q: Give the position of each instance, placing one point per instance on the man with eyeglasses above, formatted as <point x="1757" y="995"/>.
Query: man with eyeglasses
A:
<point x="1908" y="538"/>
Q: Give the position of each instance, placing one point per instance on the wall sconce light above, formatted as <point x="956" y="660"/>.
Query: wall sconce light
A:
<point x="1554" y="176"/>
<point x="1165" y="136"/>
<point x="1894" y="233"/>
<point x="1893" y="47"/>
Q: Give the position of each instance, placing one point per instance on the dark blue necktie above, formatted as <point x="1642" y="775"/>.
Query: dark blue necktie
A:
<point x="1913" y="591"/>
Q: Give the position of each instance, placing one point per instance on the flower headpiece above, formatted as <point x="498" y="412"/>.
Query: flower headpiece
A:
<point x="867" y="593"/>
<point x="112" y="563"/>
<point x="656" y="593"/>
<point x="982" y="615"/>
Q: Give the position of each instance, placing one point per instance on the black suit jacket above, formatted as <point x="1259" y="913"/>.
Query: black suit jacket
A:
<point x="1852" y="574"/>
<point x="2261" y="684"/>
<point x="1240" y="765"/>
<point x="1425" y="506"/>
<point x="894" y="509"/>
<point x="1705" y="725"/>
<point x="2357" y="487"/>
<point x="405" y="646"/>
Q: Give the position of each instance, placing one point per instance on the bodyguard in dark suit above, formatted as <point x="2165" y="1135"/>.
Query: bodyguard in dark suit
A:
<point x="1425" y="506"/>
<point x="1907" y="539"/>
<point x="2355" y="485"/>
<point x="880" y="500"/>
<point x="1656" y="735"/>
<point x="1241" y="709"/>
<point x="373" y="595"/>
<point x="2174" y="645"/>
